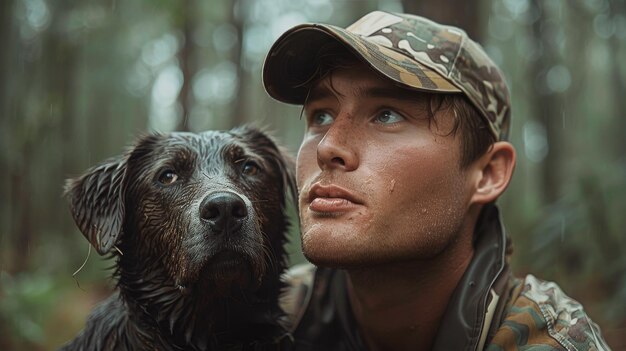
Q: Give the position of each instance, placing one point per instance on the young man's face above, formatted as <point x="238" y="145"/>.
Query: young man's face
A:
<point x="377" y="182"/>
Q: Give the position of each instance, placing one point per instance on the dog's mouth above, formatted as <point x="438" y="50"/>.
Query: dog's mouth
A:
<point x="228" y="269"/>
<point x="227" y="262"/>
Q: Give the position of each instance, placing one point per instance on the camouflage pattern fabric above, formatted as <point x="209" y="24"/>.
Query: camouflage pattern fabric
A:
<point x="413" y="51"/>
<point x="541" y="317"/>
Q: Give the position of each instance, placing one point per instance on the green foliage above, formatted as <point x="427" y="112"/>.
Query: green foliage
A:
<point x="26" y="303"/>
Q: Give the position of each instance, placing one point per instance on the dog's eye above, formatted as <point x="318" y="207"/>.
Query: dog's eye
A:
<point x="168" y="177"/>
<point x="250" y="168"/>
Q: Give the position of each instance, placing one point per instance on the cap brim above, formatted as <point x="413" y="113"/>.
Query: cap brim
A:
<point x="293" y="60"/>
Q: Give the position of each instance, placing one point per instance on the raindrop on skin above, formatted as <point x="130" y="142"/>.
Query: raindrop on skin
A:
<point x="392" y="185"/>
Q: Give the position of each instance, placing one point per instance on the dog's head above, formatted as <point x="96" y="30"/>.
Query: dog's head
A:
<point x="200" y="207"/>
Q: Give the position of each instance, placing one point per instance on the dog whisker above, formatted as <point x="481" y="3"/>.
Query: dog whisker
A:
<point x="118" y="250"/>
<point x="81" y="268"/>
<point x="268" y="253"/>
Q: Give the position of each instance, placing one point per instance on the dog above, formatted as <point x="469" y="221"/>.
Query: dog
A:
<point x="196" y="224"/>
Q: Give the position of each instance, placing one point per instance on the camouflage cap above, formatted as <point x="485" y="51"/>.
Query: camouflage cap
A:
<point x="413" y="51"/>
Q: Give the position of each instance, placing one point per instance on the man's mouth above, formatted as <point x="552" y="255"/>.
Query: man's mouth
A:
<point x="332" y="199"/>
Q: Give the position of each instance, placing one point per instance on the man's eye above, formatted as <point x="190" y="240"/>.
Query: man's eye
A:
<point x="389" y="117"/>
<point x="322" y="119"/>
<point x="168" y="177"/>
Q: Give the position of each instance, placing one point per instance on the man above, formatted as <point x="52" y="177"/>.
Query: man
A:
<point x="403" y="158"/>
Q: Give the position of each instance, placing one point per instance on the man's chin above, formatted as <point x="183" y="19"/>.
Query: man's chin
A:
<point x="333" y="258"/>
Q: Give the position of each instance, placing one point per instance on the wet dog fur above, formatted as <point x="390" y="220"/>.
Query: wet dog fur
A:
<point x="196" y="225"/>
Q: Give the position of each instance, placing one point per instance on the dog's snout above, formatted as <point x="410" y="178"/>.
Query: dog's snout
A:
<point x="224" y="210"/>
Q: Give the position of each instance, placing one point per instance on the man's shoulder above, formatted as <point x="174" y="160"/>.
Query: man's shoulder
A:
<point x="543" y="317"/>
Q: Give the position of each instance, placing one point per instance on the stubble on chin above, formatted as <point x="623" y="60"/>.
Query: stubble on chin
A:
<point x="323" y="249"/>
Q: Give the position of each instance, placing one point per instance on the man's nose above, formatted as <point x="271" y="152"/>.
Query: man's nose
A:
<point x="338" y="149"/>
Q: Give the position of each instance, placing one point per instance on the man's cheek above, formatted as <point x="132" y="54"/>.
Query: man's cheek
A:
<point x="305" y="164"/>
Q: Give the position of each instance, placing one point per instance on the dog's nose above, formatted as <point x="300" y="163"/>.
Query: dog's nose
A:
<point x="224" y="211"/>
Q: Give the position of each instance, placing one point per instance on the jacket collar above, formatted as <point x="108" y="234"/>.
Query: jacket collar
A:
<point x="480" y="291"/>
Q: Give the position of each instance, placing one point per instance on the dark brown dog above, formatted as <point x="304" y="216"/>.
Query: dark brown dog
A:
<point x="196" y="224"/>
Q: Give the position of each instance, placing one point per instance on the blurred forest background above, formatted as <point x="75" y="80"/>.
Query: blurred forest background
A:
<point x="79" y="79"/>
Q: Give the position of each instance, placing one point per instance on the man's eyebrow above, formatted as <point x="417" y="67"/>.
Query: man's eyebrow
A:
<point x="319" y="93"/>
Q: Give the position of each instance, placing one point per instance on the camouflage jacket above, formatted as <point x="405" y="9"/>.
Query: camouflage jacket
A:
<point x="489" y="310"/>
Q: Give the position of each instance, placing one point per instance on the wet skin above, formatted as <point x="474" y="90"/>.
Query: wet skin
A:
<point x="378" y="183"/>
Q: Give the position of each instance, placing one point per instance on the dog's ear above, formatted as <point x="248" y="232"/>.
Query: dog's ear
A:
<point x="284" y="162"/>
<point x="97" y="203"/>
<point x="287" y="166"/>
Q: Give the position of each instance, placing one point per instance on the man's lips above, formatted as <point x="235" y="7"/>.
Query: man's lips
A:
<point x="331" y="198"/>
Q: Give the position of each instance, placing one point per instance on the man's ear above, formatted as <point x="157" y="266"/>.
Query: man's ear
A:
<point x="494" y="171"/>
<point x="97" y="203"/>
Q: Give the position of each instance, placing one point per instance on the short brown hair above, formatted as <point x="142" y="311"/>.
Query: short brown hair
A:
<point x="476" y="138"/>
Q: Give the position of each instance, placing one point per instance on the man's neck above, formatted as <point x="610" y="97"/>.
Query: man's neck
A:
<point x="399" y="306"/>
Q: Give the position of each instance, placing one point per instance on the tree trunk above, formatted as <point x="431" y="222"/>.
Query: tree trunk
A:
<point x="6" y="23"/>
<point x="548" y="105"/>
<point x="618" y="80"/>
<point x="185" y="55"/>
<point x="53" y="116"/>
<point x="6" y="42"/>
<point x="238" y="19"/>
